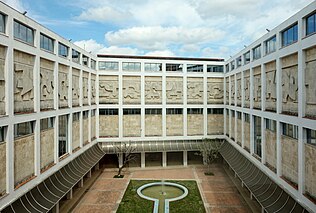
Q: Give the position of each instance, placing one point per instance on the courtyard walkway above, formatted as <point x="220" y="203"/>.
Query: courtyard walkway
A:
<point x="218" y="192"/>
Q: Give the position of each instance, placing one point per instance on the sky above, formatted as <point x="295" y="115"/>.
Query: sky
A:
<point x="187" y="28"/>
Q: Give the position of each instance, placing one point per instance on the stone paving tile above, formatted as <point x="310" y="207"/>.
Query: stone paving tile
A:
<point x="185" y="173"/>
<point x="223" y="199"/>
<point x="228" y="210"/>
<point x="216" y="186"/>
<point x="86" y="208"/>
<point x="110" y="184"/>
<point x="101" y="197"/>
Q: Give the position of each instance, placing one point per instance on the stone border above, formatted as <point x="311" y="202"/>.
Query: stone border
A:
<point x="156" y="201"/>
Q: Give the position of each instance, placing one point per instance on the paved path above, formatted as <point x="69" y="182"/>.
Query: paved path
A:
<point x="218" y="192"/>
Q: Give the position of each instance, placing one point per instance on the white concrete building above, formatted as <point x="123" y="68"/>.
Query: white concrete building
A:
<point x="60" y="107"/>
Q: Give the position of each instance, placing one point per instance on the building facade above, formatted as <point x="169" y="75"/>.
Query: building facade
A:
<point x="59" y="104"/>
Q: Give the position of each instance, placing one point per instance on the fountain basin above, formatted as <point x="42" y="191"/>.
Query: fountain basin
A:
<point x="163" y="192"/>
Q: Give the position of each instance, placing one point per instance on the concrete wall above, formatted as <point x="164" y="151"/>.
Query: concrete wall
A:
<point x="85" y="126"/>
<point x="108" y="89"/>
<point x="85" y="88"/>
<point x="75" y="87"/>
<point x="232" y="89"/>
<point x="310" y="170"/>
<point x="2" y="80"/>
<point x="75" y="134"/>
<point x="109" y="125"/>
<point x="239" y="92"/>
<point x="63" y="85"/>
<point x="232" y="130"/>
<point x="23" y="82"/>
<point x="3" y="171"/>
<point x="215" y="124"/>
<point x="247" y="88"/>
<point x="310" y="85"/>
<point x="270" y="92"/>
<point x="153" y="125"/>
<point x="227" y="123"/>
<point x="215" y="90"/>
<point x="93" y="127"/>
<point x="174" y="125"/>
<point x="247" y="135"/>
<point x="195" y="90"/>
<point x="289" y="84"/>
<point x="195" y="124"/>
<point x="271" y="148"/>
<point x="47" y="148"/>
<point x="239" y="132"/>
<point x="227" y="90"/>
<point x="257" y="87"/>
<point x="131" y="125"/>
<point x="93" y="88"/>
<point x="153" y="90"/>
<point x="289" y="158"/>
<point x="47" y="84"/>
<point x="23" y="158"/>
<point x="131" y="90"/>
<point x="174" y="90"/>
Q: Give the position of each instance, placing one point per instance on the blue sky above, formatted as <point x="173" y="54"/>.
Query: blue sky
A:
<point x="193" y="28"/>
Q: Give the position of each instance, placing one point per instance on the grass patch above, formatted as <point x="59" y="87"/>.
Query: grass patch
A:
<point x="131" y="202"/>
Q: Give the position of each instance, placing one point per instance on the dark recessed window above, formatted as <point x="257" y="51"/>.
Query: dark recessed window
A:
<point x="131" y="66"/>
<point x="108" y="65"/>
<point x="195" y="68"/>
<point x="131" y="111"/>
<point x="46" y="123"/>
<point x="195" y="111"/>
<point x="85" y="60"/>
<point x="215" y="111"/>
<point x="311" y="24"/>
<point x="247" y="57"/>
<point x="62" y="50"/>
<point x="62" y="135"/>
<point x="174" y="67"/>
<point x="311" y="136"/>
<point x="270" y="45"/>
<point x="215" y="68"/>
<point x="2" y="23"/>
<point x="108" y="112"/>
<point x="232" y="65"/>
<point x="46" y="43"/>
<point x="174" y="111"/>
<point x="23" y="33"/>
<point x="271" y="125"/>
<point x="75" y="56"/>
<point x="93" y="64"/>
<point x="290" y="130"/>
<point x="289" y="36"/>
<point x="256" y="52"/>
<point x="2" y="133"/>
<point x="23" y="129"/>
<point x="153" y="111"/>
<point x="153" y="67"/>
<point x="238" y="61"/>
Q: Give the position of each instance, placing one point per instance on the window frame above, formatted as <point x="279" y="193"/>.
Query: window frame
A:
<point x="3" y="21"/>
<point x="61" y="48"/>
<point x="114" y="65"/>
<point x="149" y="67"/>
<point x="50" y="47"/>
<point x="256" y="52"/>
<point x="172" y="67"/>
<point x="132" y="66"/>
<point x="312" y="15"/>
<point x="270" y="47"/>
<point x="75" y="56"/>
<point x="198" y="66"/>
<point x="286" y="33"/>
<point x="21" y="35"/>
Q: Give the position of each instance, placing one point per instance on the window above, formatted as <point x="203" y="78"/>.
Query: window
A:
<point x="131" y="66"/>
<point x="215" y="68"/>
<point x="75" y="56"/>
<point x="62" y="50"/>
<point x="153" y="111"/>
<point x="105" y="65"/>
<point x="93" y="64"/>
<point x="92" y="113"/>
<point x="85" y="114"/>
<point x="290" y="130"/>
<point x="232" y="113"/>
<point x="247" y="118"/>
<point x="195" y="111"/>
<point x="174" y="67"/>
<point x="256" y="52"/>
<point x="271" y="125"/>
<point x="131" y="111"/>
<point x="75" y="116"/>
<point x="289" y="36"/>
<point x="238" y="61"/>
<point x="2" y="23"/>
<point x="46" y="43"/>
<point x="174" y="111"/>
<point x="46" y="123"/>
<point x="227" y="67"/>
<point x="215" y="111"/>
<point x="257" y="135"/>
<point x="23" y="129"/>
<point x="194" y="68"/>
<point x="232" y="65"/>
<point x="270" y="45"/>
<point x="311" y="24"/>
<point x="62" y="135"/>
<point x="239" y="115"/>
<point x="153" y="67"/>
<point x="2" y="134"/>
<point x="23" y="33"/>
<point x="310" y="136"/>
<point x="108" y="111"/>
<point x="85" y="60"/>
<point x="247" y="57"/>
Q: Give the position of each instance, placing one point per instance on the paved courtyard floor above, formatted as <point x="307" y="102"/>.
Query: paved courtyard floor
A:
<point x="218" y="192"/>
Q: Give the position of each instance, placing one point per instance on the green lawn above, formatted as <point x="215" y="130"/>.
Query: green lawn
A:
<point x="131" y="202"/>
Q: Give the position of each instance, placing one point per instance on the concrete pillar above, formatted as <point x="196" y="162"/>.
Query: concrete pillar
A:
<point x="120" y="159"/>
<point x="69" y="194"/>
<point x="164" y="159"/>
<point x="143" y="160"/>
<point x="56" y="208"/>
<point x="80" y="183"/>
<point x="97" y="166"/>
<point x="89" y="174"/>
<point x="185" y="158"/>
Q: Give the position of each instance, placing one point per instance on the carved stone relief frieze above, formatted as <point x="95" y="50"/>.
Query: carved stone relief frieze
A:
<point x="85" y="87"/>
<point x="23" y="88"/>
<point x="108" y="90"/>
<point x="195" y="90"/>
<point x="257" y="91"/>
<point x="2" y="88"/>
<point x="238" y="92"/>
<point x="93" y="91"/>
<point x="310" y="87"/>
<point x="227" y="90"/>
<point x="174" y="90"/>
<point x="232" y="89"/>
<point x="215" y="91"/>
<point x="153" y="90"/>
<point x="289" y="90"/>
<point x="47" y="88"/>
<point x="75" y="88"/>
<point x="63" y="85"/>
<point x="247" y="88"/>
<point x="131" y="90"/>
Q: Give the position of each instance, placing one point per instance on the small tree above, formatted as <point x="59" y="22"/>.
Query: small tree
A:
<point x="127" y="150"/>
<point x="209" y="150"/>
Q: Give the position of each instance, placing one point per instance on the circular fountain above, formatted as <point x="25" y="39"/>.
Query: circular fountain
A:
<point x="162" y="193"/>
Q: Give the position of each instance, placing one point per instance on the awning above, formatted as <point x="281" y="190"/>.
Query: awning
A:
<point x="154" y="146"/>
<point x="46" y="195"/>
<point x="270" y="195"/>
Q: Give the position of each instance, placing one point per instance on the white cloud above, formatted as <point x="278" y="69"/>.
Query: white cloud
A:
<point x="89" y="45"/>
<point x="16" y="4"/>
<point x="114" y="50"/>
<point x="160" y="53"/>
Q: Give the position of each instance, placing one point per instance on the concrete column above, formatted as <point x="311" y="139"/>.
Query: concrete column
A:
<point x="185" y="107"/>
<point x="263" y="87"/>
<point x="97" y="166"/>
<point x="69" y="194"/>
<point x="252" y="142"/>
<point x="143" y="160"/>
<point x="164" y="80"/>
<point x="164" y="159"/>
<point x="120" y="93"/>
<point x="80" y="184"/>
<point x="251" y="88"/>
<point x="279" y="85"/>
<point x="278" y="149"/>
<point x="185" y="158"/>
<point x="120" y="159"/>
<point x="242" y="130"/>
<point x="263" y="141"/>
<point x="56" y="208"/>
<point x="89" y="174"/>
<point x="301" y="160"/>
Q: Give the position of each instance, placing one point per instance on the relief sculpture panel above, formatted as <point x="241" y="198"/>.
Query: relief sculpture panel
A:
<point x="153" y="90"/>
<point x="257" y="88"/>
<point x="238" y="88"/>
<point x="47" y="84"/>
<point x="75" y="87"/>
<point x="289" y="85"/>
<point x="2" y="87"/>
<point x="227" y="90"/>
<point x="195" y="91"/>
<point x="108" y="89"/>
<point x="93" y="89"/>
<point x="215" y="91"/>
<point x="63" y="85"/>
<point x="310" y="85"/>
<point x="247" y="88"/>
<point x="174" y="90"/>
<point x="85" y="88"/>
<point x="131" y="90"/>
<point x="232" y="89"/>
<point x="271" y="97"/>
